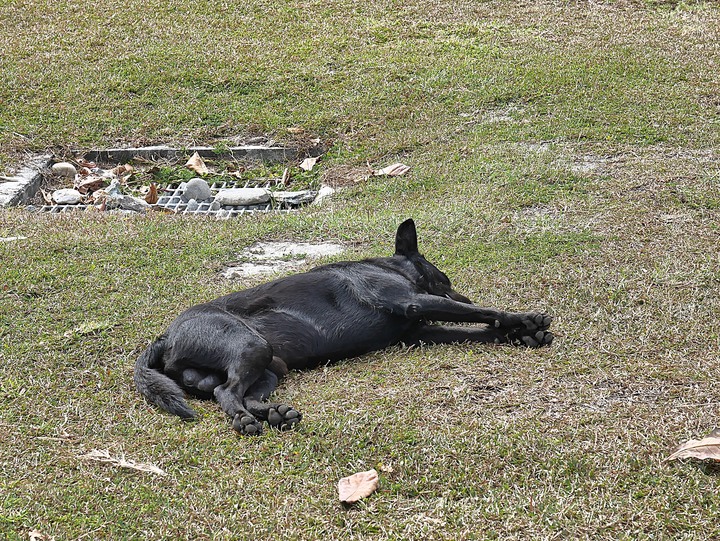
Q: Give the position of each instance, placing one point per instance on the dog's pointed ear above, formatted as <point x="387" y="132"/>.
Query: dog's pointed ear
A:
<point x="406" y="239"/>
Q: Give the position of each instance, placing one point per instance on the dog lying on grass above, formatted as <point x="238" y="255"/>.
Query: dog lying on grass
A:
<point x="236" y="348"/>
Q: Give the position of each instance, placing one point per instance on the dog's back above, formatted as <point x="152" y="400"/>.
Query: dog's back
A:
<point x="329" y="313"/>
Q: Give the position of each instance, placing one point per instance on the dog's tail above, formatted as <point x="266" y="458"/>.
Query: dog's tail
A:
<point x="155" y="386"/>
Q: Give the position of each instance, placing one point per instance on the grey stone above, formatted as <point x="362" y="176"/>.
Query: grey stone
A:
<point x="235" y="197"/>
<point x="196" y="188"/>
<point x="295" y="198"/>
<point x="126" y="202"/>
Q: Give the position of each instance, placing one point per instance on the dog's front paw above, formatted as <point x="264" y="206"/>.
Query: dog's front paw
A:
<point x="246" y="425"/>
<point x="536" y="321"/>
<point x="283" y="417"/>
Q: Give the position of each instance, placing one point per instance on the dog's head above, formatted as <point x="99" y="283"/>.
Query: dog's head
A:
<point x="431" y="279"/>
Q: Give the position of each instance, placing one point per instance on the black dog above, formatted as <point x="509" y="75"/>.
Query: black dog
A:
<point x="235" y="348"/>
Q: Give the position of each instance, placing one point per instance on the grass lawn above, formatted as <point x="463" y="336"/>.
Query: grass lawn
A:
<point x="565" y="157"/>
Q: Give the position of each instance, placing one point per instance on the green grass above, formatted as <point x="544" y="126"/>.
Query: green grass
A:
<point x="564" y="158"/>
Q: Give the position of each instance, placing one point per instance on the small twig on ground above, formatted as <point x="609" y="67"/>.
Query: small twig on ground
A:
<point x="121" y="462"/>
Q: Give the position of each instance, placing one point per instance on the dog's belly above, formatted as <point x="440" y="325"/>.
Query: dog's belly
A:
<point x="303" y="341"/>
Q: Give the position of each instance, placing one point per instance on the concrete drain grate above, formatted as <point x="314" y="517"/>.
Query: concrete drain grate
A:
<point x="81" y="184"/>
<point x="173" y="199"/>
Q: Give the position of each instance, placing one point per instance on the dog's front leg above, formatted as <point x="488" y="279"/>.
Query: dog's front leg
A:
<point x="435" y="308"/>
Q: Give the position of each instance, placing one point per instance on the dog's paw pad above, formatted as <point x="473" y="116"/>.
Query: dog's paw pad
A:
<point x="528" y="339"/>
<point x="538" y="339"/>
<point x="283" y="417"/>
<point x="533" y="321"/>
<point x="246" y="425"/>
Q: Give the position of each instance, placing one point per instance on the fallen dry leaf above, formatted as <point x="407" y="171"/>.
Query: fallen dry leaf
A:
<point x="393" y="170"/>
<point x="308" y="164"/>
<point x="357" y="486"/>
<point x="197" y="164"/>
<point x="285" y="177"/>
<point x="152" y="195"/>
<point x="121" y="462"/>
<point x="707" y="448"/>
<point x="122" y="170"/>
<point x="47" y="197"/>
<point x="89" y="183"/>
<point x="296" y="131"/>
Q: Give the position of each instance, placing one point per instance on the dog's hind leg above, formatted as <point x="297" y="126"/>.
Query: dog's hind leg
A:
<point x="279" y="416"/>
<point x="448" y="334"/>
<point x="242" y="373"/>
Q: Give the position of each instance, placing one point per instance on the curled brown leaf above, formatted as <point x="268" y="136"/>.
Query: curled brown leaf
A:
<point x="196" y="163"/>
<point x="152" y="195"/>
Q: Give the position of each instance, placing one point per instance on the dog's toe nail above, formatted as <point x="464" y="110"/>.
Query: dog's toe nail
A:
<point x="251" y="430"/>
<point x="529" y="341"/>
<point x="282" y="410"/>
<point x="497" y="341"/>
<point x="548" y="338"/>
<point x="292" y="414"/>
<point x="547" y="320"/>
<point x="540" y="336"/>
<point x="289" y="424"/>
<point x="497" y="323"/>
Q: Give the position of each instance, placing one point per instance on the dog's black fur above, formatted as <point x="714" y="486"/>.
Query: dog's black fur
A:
<point x="235" y="348"/>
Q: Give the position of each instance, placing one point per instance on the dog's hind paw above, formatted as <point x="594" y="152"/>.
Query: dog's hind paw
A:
<point x="283" y="417"/>
<point x="246" y="425"/>
<point x="527" y="338"/>
<point x="540" y="338"/>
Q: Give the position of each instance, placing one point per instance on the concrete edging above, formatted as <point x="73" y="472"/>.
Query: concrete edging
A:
<point x="20" y="188"/>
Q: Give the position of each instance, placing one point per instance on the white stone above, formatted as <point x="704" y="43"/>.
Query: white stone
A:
<point x="64" y="169"/>
<point x="66" y="196"/>
<point x="325" y="191"/>
<point x="235" y="197"/>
